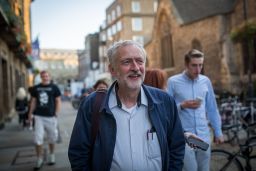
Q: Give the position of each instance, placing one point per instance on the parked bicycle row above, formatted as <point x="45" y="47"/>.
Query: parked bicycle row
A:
<point x="244" y="159"/>
<point x="237" y="116"/>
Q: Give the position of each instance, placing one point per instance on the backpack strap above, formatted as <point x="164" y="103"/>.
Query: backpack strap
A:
<point x="99" y="99"/>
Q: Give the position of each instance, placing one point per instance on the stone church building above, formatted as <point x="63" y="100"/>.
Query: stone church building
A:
<point x="225" y="30"/>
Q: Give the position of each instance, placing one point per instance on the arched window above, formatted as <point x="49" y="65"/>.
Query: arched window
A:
<point x="166" y="43"/>
<point x="196" y="45"/>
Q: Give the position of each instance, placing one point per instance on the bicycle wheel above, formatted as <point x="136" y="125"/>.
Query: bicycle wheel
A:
<point x="221" y="161"/>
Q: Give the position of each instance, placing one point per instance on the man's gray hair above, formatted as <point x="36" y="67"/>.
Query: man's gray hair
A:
<point x="112" y="51"/>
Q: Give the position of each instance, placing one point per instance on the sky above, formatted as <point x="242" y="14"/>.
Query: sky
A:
<point x="63" y="24"/>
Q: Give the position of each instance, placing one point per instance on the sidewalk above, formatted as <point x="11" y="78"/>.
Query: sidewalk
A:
<point x="17" y="147"/>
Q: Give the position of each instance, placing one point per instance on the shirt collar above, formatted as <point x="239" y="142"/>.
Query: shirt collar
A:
<point x="115" y="100"/>
<point x="187" y="77"/>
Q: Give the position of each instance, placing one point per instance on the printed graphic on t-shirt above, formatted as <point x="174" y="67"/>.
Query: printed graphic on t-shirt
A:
<point x="43" y="98"/>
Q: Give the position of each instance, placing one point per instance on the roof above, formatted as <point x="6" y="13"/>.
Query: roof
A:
<point x="189" y="11"/>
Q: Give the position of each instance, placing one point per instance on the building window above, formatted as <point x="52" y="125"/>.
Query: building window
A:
<point x="113" y="29"/>
<point x="166" y="51"/>
<point x="60" y="66"/>
<point x="196" y="45"/>
<point x="136" y="24"/>
<point x="113" y="15"/>
<point x="103" y="37"/>
<point x="53" y="66"/>
<point x="109" y="19"/>
<point x="118" y="10"/>
<point x="135" y="6"/>
<point x="109" y="33"/>
<point x="139" y="39"/>
<point x="166" y="44"/>
<point x="46" y="66"/>
<point x="155" y="5"/>
<point x="119" y="26"/>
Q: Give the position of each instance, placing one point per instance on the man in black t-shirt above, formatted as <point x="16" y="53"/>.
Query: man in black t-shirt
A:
<point x="45" y="106"/>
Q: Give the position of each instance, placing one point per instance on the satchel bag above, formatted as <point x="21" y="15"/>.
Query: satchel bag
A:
<point x="99" y="99"/>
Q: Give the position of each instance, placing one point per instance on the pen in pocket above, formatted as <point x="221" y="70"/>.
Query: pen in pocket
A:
<point x="150" y="133"/>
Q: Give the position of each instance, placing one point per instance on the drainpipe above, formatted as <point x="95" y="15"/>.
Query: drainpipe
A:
<point x="250" y="84"/>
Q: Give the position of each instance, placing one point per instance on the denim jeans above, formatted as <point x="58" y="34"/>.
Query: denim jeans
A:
<point x="196" y="159"/>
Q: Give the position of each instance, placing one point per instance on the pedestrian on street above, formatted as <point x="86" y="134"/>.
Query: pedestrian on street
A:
<point x="139" y="127"/>
<point x="45" y="107"/>
<point x="21" y="106"/>
<point x="100" y="84"/>
<point x="157" y="78"/>
<point x="196" y="103"/>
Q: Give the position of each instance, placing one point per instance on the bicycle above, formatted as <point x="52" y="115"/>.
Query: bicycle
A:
<point x="231" y="111"/>
<point x="235" y="118"/>
<point x="222" y="160"/>
<point x="250" y="118"/>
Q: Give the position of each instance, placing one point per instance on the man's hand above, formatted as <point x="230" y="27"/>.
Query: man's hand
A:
<point x="219" y="140"/>
<point x="57" y="106"/>
<point x="31" y="110"/>
<point x="192" y="104"/>
<point x="190" y="134"/>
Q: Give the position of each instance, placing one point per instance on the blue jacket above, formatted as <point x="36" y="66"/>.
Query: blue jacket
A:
<point x="163" y="114"/>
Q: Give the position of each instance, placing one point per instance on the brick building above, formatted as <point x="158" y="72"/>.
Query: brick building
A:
<point x="15" y="46"/>
<point x="62" y="64"/>
<point x="215" y="27"/>
<point x="126" y="19"/>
